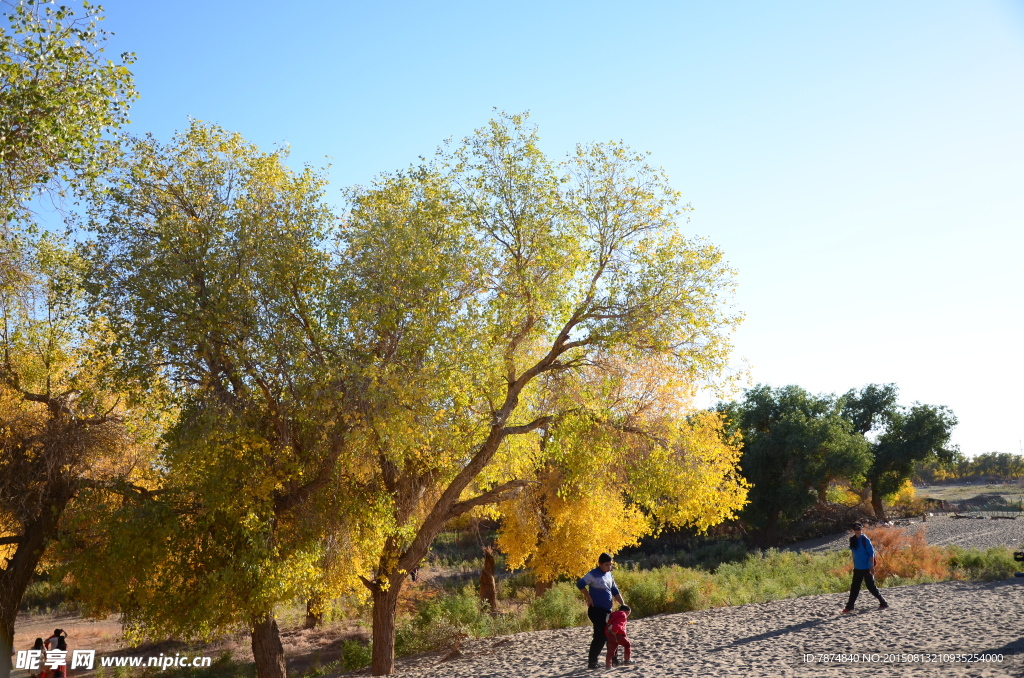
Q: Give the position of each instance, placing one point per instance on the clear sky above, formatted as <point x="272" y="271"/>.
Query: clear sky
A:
<point x="861" y="164"/>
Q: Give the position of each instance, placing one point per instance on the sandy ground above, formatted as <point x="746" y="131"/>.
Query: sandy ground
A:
<point x="773" y="639"/>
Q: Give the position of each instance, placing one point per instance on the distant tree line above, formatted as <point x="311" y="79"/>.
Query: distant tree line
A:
<point x="795" y="444"/>
<point x="990" y="466"/>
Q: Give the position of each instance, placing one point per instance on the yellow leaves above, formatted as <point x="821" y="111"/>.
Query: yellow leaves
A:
<point x="556" y="535"/>
<point x="694" y="482"/>
<point x="607" y="478"/>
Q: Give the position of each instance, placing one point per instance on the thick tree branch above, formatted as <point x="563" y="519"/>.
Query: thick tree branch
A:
<point x="662" y="442"/>
<point x="493" y="496"/>
<point x="291" y="500"/>
<point x="4" y="541"/>
<point x="122" y="487"/>
<point x="539" y="422"/>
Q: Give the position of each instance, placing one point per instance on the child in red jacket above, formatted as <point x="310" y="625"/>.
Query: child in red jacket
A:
<point x="615" y="632"/>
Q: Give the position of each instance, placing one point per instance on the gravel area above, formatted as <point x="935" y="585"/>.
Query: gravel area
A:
<point x="940" y="530"/>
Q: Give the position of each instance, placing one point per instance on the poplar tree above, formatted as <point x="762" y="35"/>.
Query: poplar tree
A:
<point x="67" y="428"/>
<point x="486" y="294"/>
<point x="210" y="266"/>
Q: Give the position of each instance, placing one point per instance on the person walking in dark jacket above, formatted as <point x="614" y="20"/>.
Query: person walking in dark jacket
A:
<point x="864" y="562"/>
<point x="598" y="587"/>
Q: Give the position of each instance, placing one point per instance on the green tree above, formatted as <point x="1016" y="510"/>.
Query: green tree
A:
<point x="903" y="436"/>
<point x="59" y="100"/>
<point x="485" y="293"/>
<point x="63" y="427"/>
<point x="211" y="266"/>
<point x="794" y="445"/>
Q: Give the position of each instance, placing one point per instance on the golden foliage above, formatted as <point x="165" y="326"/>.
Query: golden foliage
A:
<point x="607" y="482"/>
<point x="556" y="535"/>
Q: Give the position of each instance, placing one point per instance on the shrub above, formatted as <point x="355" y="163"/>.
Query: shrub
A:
<point x="666" y="590"/>
<point x="441" y="622"/>
<point x="905" y="555"/>
<point x="48" y="596"/>
<point x="773" y="575"/>
<point x="510" y="587"/>
<point x="990" y="565"/>
<point x="354" y="655"/>
<point x="560" y="607"/>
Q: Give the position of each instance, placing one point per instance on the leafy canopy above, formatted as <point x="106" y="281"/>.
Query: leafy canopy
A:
<point x="59" y="100"/>
<point x="504" y="305"/>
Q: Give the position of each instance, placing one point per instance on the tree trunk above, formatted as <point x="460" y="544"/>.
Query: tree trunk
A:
<point x="542" y="587"/>
<point x="488" y="591"/>
<point x="876" y="503"/>
<point x="16" y="577"/>
<point x="267" y="652"/>
<point x="6" y="645"/>
<point x="823" y="493"/>
<point x="314" y="613"/>
<point x="768" y="535"/>
<point x="385" y="609"/>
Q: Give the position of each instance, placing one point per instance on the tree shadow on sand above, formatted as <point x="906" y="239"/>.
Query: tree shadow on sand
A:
<point x="767" y="635"/>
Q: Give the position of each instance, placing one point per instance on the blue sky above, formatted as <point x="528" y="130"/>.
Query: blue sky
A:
<point x="861" y="164"/>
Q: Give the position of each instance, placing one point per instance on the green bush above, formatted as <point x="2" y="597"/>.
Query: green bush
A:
<point x="354" y="655"/>
<point x="516" y="584"/>
<point x="440" y="622"/>
<point x="990" y="565"/>
<point x="665" y="590"/>
<point x="774" y="575"/>
<point x="560" y="607"/>
<point x="47" y="596"/>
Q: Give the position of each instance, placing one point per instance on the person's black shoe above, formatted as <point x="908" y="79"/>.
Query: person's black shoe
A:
<point x="615" y="661"/>
<point x="592" y="665"/>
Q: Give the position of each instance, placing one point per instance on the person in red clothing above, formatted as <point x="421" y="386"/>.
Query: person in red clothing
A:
<point x="615" y="632"/>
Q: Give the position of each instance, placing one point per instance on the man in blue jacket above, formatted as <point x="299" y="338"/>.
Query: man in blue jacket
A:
<point x="863" y="568"/>
<point x="599" y="589"/>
